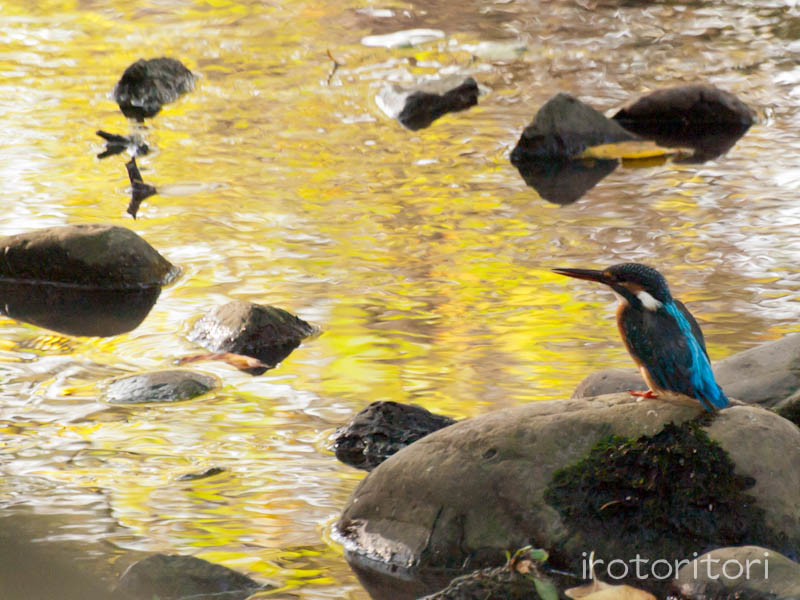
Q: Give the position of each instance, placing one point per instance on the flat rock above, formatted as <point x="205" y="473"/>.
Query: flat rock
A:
<point x="266" y="333"/>
<point x="175" y="577"/>
<point x="549" y="474"/>
<point x="563" y="128"/>
<point x="765" y="375"/>
<point x="147" y="85"/>
<point x="104" y="256"/>
<point x="381" y="429"/>
<point x="739" y="572"/>
<point x="418" y="107"/>
<point x="159" y="386"/>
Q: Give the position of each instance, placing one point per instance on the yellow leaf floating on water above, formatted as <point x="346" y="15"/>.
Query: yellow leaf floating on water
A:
<point x="599" y="590"/>
<point x="631" y="150"/>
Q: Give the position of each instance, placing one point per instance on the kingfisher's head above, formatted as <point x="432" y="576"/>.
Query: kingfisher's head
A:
<point x="633" y="283"/>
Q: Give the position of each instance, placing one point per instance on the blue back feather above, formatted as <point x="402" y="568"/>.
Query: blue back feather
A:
<point x="702" y="377"/>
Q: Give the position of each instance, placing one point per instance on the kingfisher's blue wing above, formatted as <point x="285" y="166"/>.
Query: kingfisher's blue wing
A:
<point x="696" y="331"/>
<point x="663" y="341"/>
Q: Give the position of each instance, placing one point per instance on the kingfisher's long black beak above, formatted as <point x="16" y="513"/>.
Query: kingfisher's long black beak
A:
<point x="589" y="274"/>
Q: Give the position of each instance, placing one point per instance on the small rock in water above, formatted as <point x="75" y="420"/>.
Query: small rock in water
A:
<point x="563" y="128"/>
<point x="159" y="386"/>
<point x="147" y="85"/>
<point x="266" y="333"/>
<point x="175" y="577"/>
<point x="403" y="39"/>
<point x="418" y="107"/>
<point x="382" y="429"/>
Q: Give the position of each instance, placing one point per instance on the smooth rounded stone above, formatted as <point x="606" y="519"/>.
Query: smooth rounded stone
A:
<point x="418" y="107"/>
<point x="743" y="572"/>
<point x="104" y="256"/>
<point x="563" y="128"/>
<point x="146" y="85"/>
<point x="175" y="577"/>
<point x="700" y="116"/>
<point x="461" y="497"/>
<point x="159" y="386"/>
<point x="765" y="375"/>
<point x="381" y="429"/>
<point x="266" y="333"/>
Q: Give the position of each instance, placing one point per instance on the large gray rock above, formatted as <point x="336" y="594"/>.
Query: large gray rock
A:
<point x="549" y="475"/>
<point x="739" y="572"/>
<point x="765" y="375"/>
<point x="563" y="128"/>
<point x="103" y="256"/>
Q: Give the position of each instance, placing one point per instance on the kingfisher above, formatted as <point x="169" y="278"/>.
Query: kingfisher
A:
<point x="659" y="333"/>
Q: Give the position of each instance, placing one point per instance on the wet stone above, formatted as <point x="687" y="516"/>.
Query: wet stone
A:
<point x="147" y="85"/>
<point x="175" y="577"/>
<point x="266" y="333"/>
<point x="418" y="107"/>
<point x="104" y="256"/>
<point x="159" y="386"/>
<point x="382" y="429"/>
<point x="563" y="128"/>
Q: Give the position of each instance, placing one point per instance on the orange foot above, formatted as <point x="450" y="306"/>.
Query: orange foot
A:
<point x="647" y="394"/>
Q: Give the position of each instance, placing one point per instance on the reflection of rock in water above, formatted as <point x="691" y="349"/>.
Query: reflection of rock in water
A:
<point x="77" y="310"/>
<point x="146" y="85"/>
<point x="418" y="107"/>
<point x="700" y="116"/>
<point x="139" y="189"/>
<point x="134" y="144"/>
<point x="563" y="182"/>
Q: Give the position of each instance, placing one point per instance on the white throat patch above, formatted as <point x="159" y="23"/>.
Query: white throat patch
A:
<point x="648" y="301"/>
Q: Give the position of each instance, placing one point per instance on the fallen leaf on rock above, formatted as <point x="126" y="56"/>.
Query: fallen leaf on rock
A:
<point x="240" y="361"/>
<point x="630" y="150"/>
<point x="600" y="590"/>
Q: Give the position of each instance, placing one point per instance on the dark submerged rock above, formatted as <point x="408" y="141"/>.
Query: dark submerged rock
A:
<point x="700" y="116"/>
<point x="790" y="408"/>
<point x="765" y="375"/>
<point x="382" y="429"/>
<point x="159" y="386"/>
<point x="563" y="128"/>
<point x="418" y="107"/>
<point x="175" y="577"/>
<point x="564" y="181"/>
<point x="146" y="85"/>
<point x="266" y="333"/>
<point x="460" y="497"/>
<point x="102" y="256"/>
<point x="75" y="310"/>
<point x="743" y="572"/>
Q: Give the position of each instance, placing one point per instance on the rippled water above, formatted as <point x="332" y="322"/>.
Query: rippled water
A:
<point x="422" y="255"/>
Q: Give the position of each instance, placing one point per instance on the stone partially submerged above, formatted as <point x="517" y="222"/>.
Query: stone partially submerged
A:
<point x="461" y="497"/>
<point x="266" y="333"/>
<point x="147" y="85"/>
<point x="104" y="256"/>
<point x="419" y="106"/>
<point x="171" y="385"/>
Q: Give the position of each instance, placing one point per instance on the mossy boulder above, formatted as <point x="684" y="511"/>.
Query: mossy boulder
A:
<point x="461" y="497"/>
<point x="104" y="256"/>
<point x="765" y="375"/>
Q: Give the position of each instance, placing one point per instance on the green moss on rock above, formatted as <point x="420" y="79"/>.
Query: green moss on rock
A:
<point x="664" y="496"/>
